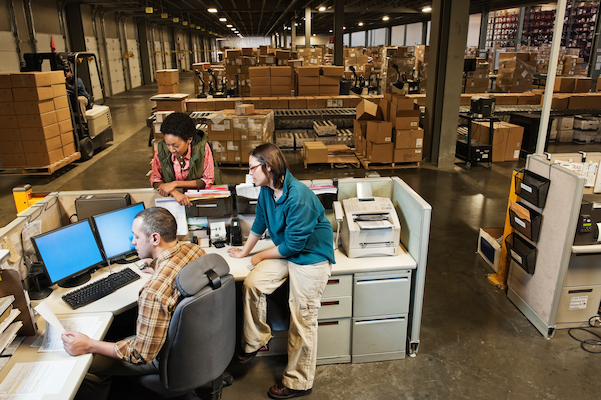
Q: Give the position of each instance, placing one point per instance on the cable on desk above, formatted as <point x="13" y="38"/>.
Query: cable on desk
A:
<point x="594" y="322"/>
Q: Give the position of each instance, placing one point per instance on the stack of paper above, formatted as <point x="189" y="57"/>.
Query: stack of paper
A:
<point x="8" y="328"/>
<point x="212" y="193"/>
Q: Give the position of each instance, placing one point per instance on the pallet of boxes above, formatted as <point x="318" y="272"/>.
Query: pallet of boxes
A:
<point x="516" y="71"/>
<point x="388" y="133"/>
<point x="506" y="139"/>
<point x="234" y="133"/>
<point x="36" y="130"/>
<point x="169" y="98"/>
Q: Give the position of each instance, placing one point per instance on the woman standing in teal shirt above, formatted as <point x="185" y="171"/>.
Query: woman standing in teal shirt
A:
<point x="303" y="253"/>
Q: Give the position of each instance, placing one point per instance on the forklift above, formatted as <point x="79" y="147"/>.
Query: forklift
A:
<point x="97" y="132"/>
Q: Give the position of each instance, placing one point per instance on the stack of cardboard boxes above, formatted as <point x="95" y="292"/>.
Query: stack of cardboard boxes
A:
<point x="506" y="139"/>
<point x="168" y="81"/>
<point x="270" y="81"/>
<point x="237" y="65"/>
<point x="421" y="66"/>
<point x="234" y="136"/>
<point x="403" y="58"/>
<point x="355" y="58"/>
<point x="35" y="119"/>
<point x="572" y="84"/>
<point x="307" y="79"/>
<point x="316" y="81"/>
<point x="586" y="129"/>
<point x="516" y="71"/>
<point x="388" y="133"/>
<point x="218" y="71"/>
<point x="562" y="129"/>
<point x="477" y="81"/>
<point x="310" y="56"/>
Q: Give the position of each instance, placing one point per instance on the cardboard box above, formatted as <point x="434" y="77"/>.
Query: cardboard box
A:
<point x="578" y="102"/>
<point x="6" y="95"/>
<point x="565" y="136"/>
<point x="33" y="94"/>
<point x="60" y="102"/>
<point x="37" y="121"/>
<point x="333" y="71"/>
<point x="43" y="159"/>
<point x="9" y="122"/>
<point x="259" y="72"/>
<point x="297" y="102"/>
<point x="367" y="110"/>
<point x="329" y="81"/>
<point x="68" y="149"/>
<point x="379" y="153"/>
<point x="409" y="138"/>
<point x="407" y="155"/>
<point x="5" y="81"/>
<point x="280" y="103"/>
<point x="583" y="85"/>
<point x="564" y="84"/>
<point x="329" y="90"/>
<point x="488" y="247"/>
<point x="308" y="71"/>
<point x="44" y="133"/>
<point x="283" y="71"/>
<point x="281" y="81"/>
<point x="506" y="142"/>
<point x="36" y="79"/>
<point x="176" y="105"/>
<point x="406" y="119"/>
<point x="260" y="81"/>
<point x="308" y="81"/>
<point x="9" y="135"/>
<point x="67" y="138"/>
<point x="316" y="102"/>
<point x="174" y="88"/>
<point x="558" y="102"/>
<point x="360" y="128"/>
<point x="315" y="152"/>
<point x="59" y="90"/>
<point x="63" y="126"/>
<point x="379" y="132"/>
<point x="11" y="147"/>
<point x="35" y="107"/>
<point x="220" y="131"/>
<point x="63" y="114"/>
<point x="167" y="76"/>
<point x="283" y="90"/>
<point x="42" y="146"/>
<point x="7" y="108"/>
<point x="245" y="109"/>
<point x="13" y="160"/>
<point x="308" y="91"/>
<point x="260" y="90"/>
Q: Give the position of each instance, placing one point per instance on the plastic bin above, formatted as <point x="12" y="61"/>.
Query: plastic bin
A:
<point x="210" y="208"/>
<point x="522" y="252"/>
<point x="530" y="229"/>
<point x="532" y="188"/>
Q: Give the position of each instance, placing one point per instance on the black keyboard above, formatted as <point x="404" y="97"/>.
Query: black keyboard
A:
<point x="99" y="289"/>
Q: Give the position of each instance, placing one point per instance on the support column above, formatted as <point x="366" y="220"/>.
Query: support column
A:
<point x="483" y="30"/>
<point x="518" y="36"/>
<point x="424" y="33"/>
<point x="307" y="27"/>
<point x="293" y="34"/>
<point x="450" y="22"/>
<point x="388" y="36"/>
<point x="338" y="32"/>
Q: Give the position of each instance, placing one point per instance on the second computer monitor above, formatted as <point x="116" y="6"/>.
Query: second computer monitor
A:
<point x="114" y="231"/>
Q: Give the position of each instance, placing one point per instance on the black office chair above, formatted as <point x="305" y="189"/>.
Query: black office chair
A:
<point x="202" y="333"/>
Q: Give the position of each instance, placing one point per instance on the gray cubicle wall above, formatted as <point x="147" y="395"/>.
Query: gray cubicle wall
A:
<point x="537" y="296"/>
<point x="414" y="215"/>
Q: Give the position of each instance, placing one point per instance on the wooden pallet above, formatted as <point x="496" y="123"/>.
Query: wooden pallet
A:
<point x="371" y="165"/>
<point x="338" y="159"/>
<point x="46" y="170"/>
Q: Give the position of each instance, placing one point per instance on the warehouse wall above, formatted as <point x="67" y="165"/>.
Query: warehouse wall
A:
<point x="473" y="30"/>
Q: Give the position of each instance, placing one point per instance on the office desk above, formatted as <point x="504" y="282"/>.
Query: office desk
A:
<point x="26" y="354"/>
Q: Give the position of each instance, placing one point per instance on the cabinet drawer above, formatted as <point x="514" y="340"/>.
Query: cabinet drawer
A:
<point x="379" y="296"/>
<point x="380" y="336"/>
<point x="334" y="340"/>
<point x="336" y="307"/>
<point x="339" y="285"/>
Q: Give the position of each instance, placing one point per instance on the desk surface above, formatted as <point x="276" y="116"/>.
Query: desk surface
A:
<point x="26" y="354"/>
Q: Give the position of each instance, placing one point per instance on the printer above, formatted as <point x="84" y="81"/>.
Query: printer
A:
<point x="370" y="227"/>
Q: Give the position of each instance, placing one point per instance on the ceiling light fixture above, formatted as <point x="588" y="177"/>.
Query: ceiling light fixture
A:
<point x="344" y="27"/>
<point x="212" y="10"/>
<point x="360" y="24"/>
<point x="222" y="19"/>
<point x="426" y="9"/>
<point x="322" y="8"/>
<point x="385" y="18"/>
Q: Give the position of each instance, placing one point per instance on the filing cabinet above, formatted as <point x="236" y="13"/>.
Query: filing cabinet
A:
<point x="334" y="321"/>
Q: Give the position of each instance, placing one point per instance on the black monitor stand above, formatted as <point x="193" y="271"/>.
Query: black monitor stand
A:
<point x="127" y="258"/>
<point x="76" y="281"/>
<point x="36" y="270"/>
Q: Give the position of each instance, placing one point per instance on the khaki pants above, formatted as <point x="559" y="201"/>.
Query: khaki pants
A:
<point x="307" y="283"/>
<point x="83" y="103"/>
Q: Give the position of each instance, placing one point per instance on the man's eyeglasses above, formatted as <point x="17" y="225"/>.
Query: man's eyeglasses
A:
<point x="251" y="170"/>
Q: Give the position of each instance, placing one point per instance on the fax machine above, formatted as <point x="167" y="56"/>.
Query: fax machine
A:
<point x="370" y="227"/>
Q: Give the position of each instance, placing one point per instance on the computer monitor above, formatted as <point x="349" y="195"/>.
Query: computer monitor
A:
<point x="114" y="231"/>
<point x="68" y="253"/>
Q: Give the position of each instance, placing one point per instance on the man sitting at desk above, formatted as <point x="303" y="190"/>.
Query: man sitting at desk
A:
<point x="154" y="232"/>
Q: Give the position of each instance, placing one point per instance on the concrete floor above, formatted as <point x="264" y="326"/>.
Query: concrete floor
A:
<point x="475" y="344"/>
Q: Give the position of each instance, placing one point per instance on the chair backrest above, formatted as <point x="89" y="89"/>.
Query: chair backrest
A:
<point x="202" y="333"/>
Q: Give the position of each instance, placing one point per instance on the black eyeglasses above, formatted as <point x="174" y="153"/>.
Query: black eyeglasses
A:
<point x="251" y="170"/>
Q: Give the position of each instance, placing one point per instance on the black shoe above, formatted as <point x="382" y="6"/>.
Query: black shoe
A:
<point x="279" y="391"/>
<point x="244" y="358"/>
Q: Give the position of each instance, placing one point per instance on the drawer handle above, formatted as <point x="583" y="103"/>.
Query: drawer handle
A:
<point x="382" y="280"/>
<point x="327" y="323"/>
<point x="330" y="303"/>
<point x="379" y="321"/>
<point x="333" y="281"/>
<point x="206" y="205"/>
<point x="252" y="203"/>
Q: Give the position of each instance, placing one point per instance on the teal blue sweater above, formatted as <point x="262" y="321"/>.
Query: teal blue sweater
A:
<point x="296" y="222"/>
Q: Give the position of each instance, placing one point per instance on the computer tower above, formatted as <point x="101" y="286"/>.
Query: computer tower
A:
<point x="86" y="206"/>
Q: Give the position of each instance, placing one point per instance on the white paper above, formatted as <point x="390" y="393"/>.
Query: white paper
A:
<point x="178" y="211"/>
<point x="52" y="338"/>
<point x="578" y="302"/>
<point x="598" y="232"/>
<point x="21" y="396"/>
<point x="11" y="348"/>
<point x="248" y="191"/>
<point x="8" y="320"/>
<point x="374" y="224"/>
<point x="46" y="377"/>
<point x="45" y="312"/>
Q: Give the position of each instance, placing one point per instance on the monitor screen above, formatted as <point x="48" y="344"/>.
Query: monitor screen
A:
<point x="68" y="251"/>
<point x="114" y="230"/>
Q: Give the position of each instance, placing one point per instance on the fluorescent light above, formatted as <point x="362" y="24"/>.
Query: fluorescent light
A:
<point x="360" y="24"/>
<point x="344" y="27"/>
<point x="229" y="25"/>
<point x="322" y="8"/>
<point x="426" y="9"/>
<point x="212" y="10"/>
<point x="222" y="19"/>
<point x="330" y="31"/>
<point x="313" y="34"/>
<point x="233" y="29"/>
<point x="386" y="18"/>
